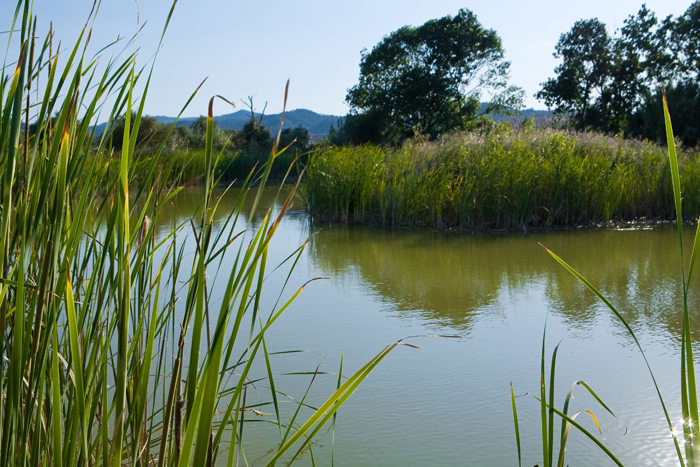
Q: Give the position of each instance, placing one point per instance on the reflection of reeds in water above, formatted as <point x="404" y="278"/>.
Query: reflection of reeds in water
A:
<point x="449" y="279"/>
<point x="187" y="204"/>
<point x="685" y="433"/>
<point x="96" y="365"/>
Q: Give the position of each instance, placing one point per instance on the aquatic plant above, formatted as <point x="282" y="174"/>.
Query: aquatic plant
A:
<point x="505" y="179"/>
<point x="547" y="412"/>
<point x="686" y="446"/>
<point x="106" y="358"/>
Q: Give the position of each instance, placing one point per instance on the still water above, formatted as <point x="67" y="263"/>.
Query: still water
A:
<point x="449" y="403"/>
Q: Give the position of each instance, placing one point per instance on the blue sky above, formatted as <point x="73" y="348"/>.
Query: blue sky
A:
<point x="251" y="48"/>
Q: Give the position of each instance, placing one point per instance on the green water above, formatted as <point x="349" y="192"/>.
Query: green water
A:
<point x="448" y="404"/>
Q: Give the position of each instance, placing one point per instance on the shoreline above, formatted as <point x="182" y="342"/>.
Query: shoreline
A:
<point x="615" y="224"/>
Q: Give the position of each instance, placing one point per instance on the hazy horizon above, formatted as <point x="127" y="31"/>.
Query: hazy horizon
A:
<point x="252" y="49"/>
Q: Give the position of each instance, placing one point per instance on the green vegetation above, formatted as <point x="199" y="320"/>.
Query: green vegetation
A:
<point x="547" y="412"/>
<point x="428" y="80"/>
<point x="504" y="179"/>
<point x="613" y="84"/>
<point x="688" y="451"/>
<point x="103" y="358"/>
<point x="423" y="84"/>
<point x="181" y="157"/>
<point x="112" y="353"/>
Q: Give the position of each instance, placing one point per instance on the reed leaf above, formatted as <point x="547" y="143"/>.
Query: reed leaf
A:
<point x="515" y="424"/>
<point x="102" y="352"/>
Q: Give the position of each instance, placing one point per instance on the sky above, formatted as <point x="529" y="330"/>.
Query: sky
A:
<point x="251" y="48"/>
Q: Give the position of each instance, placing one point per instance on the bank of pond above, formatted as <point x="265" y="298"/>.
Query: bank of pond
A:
<point x="505" y="179"/>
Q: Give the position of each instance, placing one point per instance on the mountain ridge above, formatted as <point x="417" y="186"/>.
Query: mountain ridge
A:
<point x="315" y="123"/>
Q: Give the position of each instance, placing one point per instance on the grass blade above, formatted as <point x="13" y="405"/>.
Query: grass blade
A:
<point x="515" y="424"/>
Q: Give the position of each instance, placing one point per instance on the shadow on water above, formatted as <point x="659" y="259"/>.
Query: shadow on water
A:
<point x="449" y="279"/>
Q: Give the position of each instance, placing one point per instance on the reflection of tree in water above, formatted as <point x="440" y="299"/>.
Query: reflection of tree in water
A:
<point x="448" y="278"/>
<point x="188" y="204"/>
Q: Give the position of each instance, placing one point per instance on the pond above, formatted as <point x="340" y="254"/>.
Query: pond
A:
<point x="449" y="403"/>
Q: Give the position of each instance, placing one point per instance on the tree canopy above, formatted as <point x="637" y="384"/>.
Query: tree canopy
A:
<point x="584" y="72"/>
<point x="430" y="79"/>
<point x="613" y="83"/>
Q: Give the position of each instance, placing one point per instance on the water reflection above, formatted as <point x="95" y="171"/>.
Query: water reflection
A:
<point x="494" y="288"/>
<point x="448" y="278"/>
<point x="188" y="204"/>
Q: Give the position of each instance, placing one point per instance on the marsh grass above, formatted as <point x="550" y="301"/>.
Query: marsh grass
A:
<point x="567" y="419"/>
<point x="111" y="351"/>
<point x="684" y="438"/>
<point x="505" y="179"/>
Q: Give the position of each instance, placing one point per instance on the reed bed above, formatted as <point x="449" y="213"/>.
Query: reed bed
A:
<point x="111" y="351"/>
<point x="684" y="432"/>
<point x="505" y="179"/>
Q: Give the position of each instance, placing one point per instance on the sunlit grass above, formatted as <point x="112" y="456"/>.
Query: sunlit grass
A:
<point x="111" y="351"/>
<point x="685" y="431"/>
<point x="506" y="179"/>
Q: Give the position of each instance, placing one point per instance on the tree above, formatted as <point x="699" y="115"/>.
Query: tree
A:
<point x="151" y="133"/>
<point x="358" y="128"/>
<point x="256" y="136"/>
<point x="683" y="101"/>
<point x="198" y="135"/>
<point x="685" y="38"/>
<point x="430" y="79"/>
<point x="580" y="87"/>
<point x="648" y="41"/>
<point x="297" y="137"/>
<point x="611" y="84"/>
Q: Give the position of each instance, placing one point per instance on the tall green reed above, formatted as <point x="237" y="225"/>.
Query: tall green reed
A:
<point x="105" y="358"/>
<point x="685" y="440"/>
<point x="547" y="412"/>
<point x="506" y="179"/>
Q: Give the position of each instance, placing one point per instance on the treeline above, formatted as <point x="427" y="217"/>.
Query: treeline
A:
<point x="241" y="151"/>
<point x="429" y="80"/>
<point x="614" y="84"/>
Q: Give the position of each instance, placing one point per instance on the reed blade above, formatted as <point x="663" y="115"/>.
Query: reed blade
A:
<point x="515" y="424"/>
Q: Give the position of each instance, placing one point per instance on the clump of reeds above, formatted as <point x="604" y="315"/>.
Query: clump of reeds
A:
<point x="504" y="179"/>
<point x="98" y="365"/>
<point x="568" y="419"/>
<point x="685" y="436"/>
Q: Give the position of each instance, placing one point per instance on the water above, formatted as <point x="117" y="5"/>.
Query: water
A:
<point x="449" y="403"/>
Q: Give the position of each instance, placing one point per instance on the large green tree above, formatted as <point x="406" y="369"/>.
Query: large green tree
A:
<point x="685" y="39"/>
<point x="430" y="79"/>
<point x="581" y="85"/>
<point x="614" y="83"/>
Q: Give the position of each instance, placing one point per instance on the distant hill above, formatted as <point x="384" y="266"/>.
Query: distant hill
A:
<point x="536" y="113"/>
<point x="540" y="116"/>
<point x="317" y="124"/>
